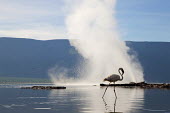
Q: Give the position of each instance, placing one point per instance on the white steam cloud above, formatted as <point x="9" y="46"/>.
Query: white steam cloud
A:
<point x="59" y="74"/>
<point x="93" y="26"/>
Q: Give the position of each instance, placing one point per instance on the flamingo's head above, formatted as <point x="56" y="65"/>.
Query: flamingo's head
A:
<point x="121" y="71"/>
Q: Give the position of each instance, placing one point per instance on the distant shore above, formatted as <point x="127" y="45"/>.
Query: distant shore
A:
<point x="21" y="80"/>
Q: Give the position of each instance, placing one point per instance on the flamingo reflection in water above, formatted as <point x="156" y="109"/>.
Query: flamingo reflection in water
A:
<point x="107" y="107"/>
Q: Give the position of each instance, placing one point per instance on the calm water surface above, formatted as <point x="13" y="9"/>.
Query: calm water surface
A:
<point x="83" y="99"/>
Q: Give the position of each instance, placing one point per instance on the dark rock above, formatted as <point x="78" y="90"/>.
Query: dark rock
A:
<point x="141" y="85"/>
<point x="44" y="87"/>
<point x="132" y="83"/>
<point x="25" y="87"/>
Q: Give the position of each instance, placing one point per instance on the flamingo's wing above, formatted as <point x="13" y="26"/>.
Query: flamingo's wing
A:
<point x="113" y="78"/>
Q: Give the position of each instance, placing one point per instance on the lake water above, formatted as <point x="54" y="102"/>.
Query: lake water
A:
<point x="83" y="99"/>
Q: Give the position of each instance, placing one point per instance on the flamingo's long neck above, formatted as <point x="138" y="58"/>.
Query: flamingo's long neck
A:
<point x="121" y="74"/>
<point x="121" y="78"/>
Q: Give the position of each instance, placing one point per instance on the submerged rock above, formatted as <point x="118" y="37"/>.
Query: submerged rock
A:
<point x="44" y="87"/>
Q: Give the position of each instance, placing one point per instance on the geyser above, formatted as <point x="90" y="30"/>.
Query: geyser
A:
<point x="92" y="31"/>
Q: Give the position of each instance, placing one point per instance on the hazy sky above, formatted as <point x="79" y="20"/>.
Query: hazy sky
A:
<point x="138" y="20"/>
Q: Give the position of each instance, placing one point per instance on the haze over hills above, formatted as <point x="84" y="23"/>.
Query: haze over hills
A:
<point x="33" y="58"/>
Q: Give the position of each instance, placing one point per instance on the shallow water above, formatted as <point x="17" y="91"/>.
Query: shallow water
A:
<point x="83" y="99"/>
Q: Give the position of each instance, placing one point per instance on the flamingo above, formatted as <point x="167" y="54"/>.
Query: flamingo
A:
<point x="114" y="78"/>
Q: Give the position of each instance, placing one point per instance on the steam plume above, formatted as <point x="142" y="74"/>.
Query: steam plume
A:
<point x="92" y="25"/>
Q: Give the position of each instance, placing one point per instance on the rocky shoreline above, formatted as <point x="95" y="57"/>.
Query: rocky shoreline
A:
<point x="44" y="87"/>
<point x="141" y="85"/>
<point x="128" y="85"/>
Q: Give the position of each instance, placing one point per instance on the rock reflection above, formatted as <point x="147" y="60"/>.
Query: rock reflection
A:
<point x="89" y="99"/>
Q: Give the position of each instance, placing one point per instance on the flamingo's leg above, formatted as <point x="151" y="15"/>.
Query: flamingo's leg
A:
<point x="115" y="105"/>
<point x="115" y="90"/>
<point x="105" y="90"/>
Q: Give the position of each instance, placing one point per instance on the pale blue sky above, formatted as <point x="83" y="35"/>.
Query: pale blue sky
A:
<point x="138" y="20"/>
<point x="144" y="20"/>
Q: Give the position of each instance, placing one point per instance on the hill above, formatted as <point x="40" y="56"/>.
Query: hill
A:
<point x="32" y="58"/>
<point x="154" y="58"/>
